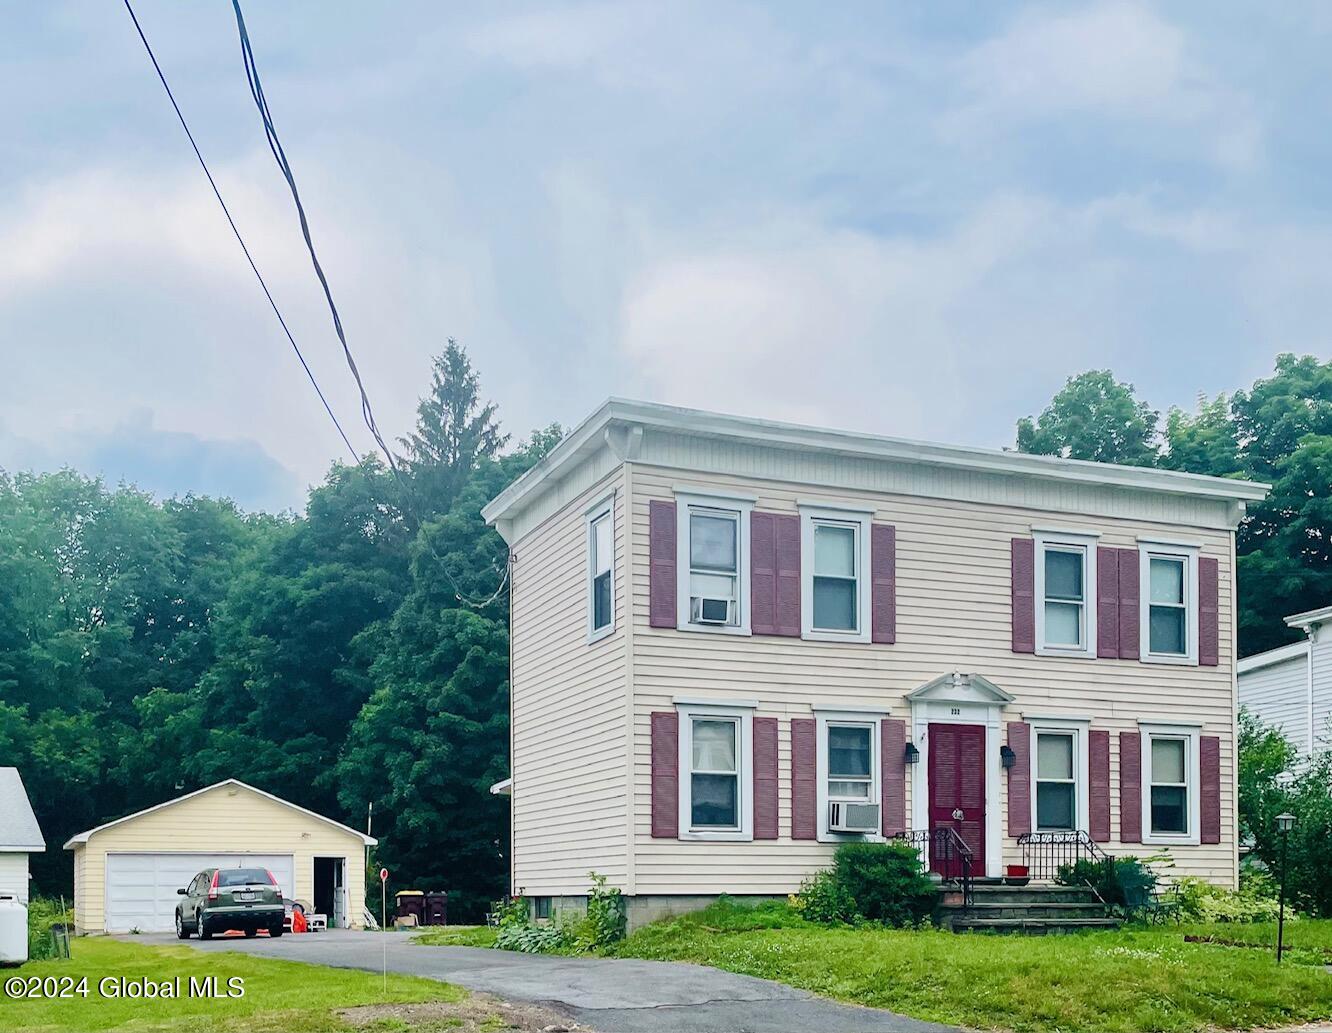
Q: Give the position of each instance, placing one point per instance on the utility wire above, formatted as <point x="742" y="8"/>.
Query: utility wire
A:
<point x="234" y="229"/>
<point x="367" y="411"/>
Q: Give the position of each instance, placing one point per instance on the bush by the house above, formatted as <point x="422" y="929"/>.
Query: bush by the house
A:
<point x="534" y="939"/>
<point x="42" y="915"/>
<point x="603" y="925"/>
<point x="873" y="882"/>
<point x="1120" y="882"/>
<point x="1255" y="901"/>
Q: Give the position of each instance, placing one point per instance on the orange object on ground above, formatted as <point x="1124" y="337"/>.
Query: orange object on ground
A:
<point x="298" y="924"/>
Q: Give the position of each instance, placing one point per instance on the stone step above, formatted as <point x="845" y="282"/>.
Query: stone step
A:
<point x="1034" y="894"/>
<point x="1031" y="926"/>
<point x="1054" y="909"/>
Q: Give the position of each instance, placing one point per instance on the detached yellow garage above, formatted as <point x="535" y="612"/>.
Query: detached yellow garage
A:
<point x="127" y="871"/>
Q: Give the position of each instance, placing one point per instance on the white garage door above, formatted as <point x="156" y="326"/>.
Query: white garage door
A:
<point x="141" y="888"/>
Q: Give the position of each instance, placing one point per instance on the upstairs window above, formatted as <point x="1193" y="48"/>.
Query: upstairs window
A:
<point x="1065" y="584"/>
<point x="1169" y="601"/>
<point x="835" y="559"/>
<point x="713" y="563"/>
<point x="601" y="570"/>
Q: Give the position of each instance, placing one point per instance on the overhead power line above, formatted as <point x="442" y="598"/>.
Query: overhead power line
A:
<point x="367" y="411"/>
<point x="239" y="239"/>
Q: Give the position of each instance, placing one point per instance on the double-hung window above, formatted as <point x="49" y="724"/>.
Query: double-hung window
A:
<point x="714" y="563"/>
<point x="848" y="768"/>
<point x="1056" y="800"/>
<point x="1169" y="600"/>
<point x="835" y="594"/>
<point x="601" y="569"/>
<point x="1065" y="589"/>
<point x="716" y="770"/>
<point x="1170" y="776"/>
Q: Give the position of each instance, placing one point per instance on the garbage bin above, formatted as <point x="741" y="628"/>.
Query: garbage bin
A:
<point x="410" y="902"/>
<point x="437" y="908"/>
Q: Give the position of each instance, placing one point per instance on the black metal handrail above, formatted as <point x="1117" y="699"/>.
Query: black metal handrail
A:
<point x="1044" y="853"/>
<point x="947" y="853"/>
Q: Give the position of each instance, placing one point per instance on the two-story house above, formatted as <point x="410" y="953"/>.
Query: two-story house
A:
<point x="737" y="643"/>
<point x="1290" y="687"/>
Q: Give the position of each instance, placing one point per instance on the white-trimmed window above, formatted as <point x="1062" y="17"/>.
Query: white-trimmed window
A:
<point x="1169" y="602"/>
<point x="848" y="765"/>
<point x="1065" y="593"/>
<point x="834" y="588"/>
<point x="713" y="563"/>
<point x="1170" y="780"/>
<point x="716" y="771"/>
<point x="1060" y="773"/>
<point x="601" y="569"/>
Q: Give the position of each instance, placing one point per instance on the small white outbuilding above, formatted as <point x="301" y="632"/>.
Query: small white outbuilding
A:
<point x="19" y="835"/>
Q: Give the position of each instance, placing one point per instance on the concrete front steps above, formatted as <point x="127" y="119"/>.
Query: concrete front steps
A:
<point x="1034" y="909"/>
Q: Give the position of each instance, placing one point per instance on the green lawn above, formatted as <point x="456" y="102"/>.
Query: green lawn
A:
<point x="280" y="996"/>
<point x="1123" y="981"/>
<point x="459" y="936"/>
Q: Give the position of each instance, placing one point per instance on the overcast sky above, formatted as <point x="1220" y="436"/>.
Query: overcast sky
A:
<point x="916" y="219"/>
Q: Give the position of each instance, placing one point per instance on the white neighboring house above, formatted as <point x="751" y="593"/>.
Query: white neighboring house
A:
<point x="19" y="835"/>
<point x="1290" y="687"/>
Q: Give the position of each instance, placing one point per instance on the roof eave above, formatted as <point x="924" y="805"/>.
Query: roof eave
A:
<point x="1304" y="620"/>
<point x="689" y="421"/>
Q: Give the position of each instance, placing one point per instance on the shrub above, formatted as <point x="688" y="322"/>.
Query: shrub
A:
<point x="1202" y="901"/>
<point x="886" y="882"/>
<point x="1123" y="882"/>
<point x="42" y="914"/>
<point x="823" y="899"/>
<point x="534" y="939"/>
<point x="511" y="911"/>
<point x="605" y="920"/>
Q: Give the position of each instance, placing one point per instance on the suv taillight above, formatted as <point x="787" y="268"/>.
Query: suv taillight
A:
<point x="212" y="887"/>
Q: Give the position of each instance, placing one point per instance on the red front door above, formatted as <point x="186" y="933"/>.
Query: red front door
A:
<point x="957" y="787"/>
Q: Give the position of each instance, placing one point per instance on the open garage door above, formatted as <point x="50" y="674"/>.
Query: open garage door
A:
<point x="141" y="888"/>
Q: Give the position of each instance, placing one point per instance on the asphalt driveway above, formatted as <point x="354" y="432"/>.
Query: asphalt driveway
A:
<point x="623" y="996"/>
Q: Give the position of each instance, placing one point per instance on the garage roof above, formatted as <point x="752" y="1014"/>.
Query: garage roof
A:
<point x="82" y="837"/>
<point x="19" y="832"/>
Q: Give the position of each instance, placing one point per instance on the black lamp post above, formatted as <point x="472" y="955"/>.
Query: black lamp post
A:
<point x="1285" y="822"/>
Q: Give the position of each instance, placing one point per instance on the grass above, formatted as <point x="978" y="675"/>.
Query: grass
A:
<point x="459" y="936"/>
<point x="280" y="996"/>
<point x="1122" y="982"/>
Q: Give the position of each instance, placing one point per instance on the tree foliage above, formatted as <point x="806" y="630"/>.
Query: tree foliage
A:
<point x="151" y="648"/>
<point x="1279" y="431"/>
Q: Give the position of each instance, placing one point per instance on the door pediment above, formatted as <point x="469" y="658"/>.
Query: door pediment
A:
<point x="960" y="687"/>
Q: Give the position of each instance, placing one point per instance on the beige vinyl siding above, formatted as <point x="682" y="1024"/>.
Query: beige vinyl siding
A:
<point x="953" y="613"/>
<point x="14" y="875"/>
<point x="568" y="709"/>
<point x="1321" y="646"/>
<point x="1278" y="695"/>
<point x="224" y="819"/>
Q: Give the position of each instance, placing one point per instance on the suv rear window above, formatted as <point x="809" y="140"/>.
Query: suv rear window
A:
<point x="244" y="877"/>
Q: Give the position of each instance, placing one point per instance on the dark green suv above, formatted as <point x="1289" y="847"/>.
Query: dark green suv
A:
<point x="218" y="900"/>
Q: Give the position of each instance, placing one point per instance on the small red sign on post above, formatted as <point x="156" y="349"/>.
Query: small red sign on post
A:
<point x="383" y="875"/>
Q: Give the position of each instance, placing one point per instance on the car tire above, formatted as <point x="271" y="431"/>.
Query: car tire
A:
<point x="181" y="932"/>
<point x="251" y="932"/>
<point x="202" y="926"/>
<point x="276" y="930"/>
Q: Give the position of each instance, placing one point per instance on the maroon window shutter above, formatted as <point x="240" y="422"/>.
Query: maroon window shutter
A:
<point x="1209" y="797"/>
<point x="1107" y="602"/>
<point x="883" y="580"/>
<point x="661" y="564"/>
<point x="765" y="778"/>
<point x="1129" y="617"/>
<point x="804" y="778"/>
<point x="1024" y="595"/>
<point x="1019" y="778"/>
<point x="762" y="574"/>
<point x="1098" y="763"/>
<point x="1130" y="787"/>
<point x="1209" y="588"/>
<point x="892" y="773"/>
<point x="786" y="533"/>
<point x="665" y="774"/>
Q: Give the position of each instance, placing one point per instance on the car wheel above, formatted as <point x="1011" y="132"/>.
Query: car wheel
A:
<point x="202" y="926"/>
<point x="276" y="930"/>
<point x="181" y="932"/>
<point x="251" y="932"/>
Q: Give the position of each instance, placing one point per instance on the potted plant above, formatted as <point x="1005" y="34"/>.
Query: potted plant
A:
<point x="1017" y="875"/>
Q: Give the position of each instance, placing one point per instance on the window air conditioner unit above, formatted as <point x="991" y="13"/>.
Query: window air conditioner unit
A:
<point x="703" y="610"/>
<point x="853" y="817"/>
